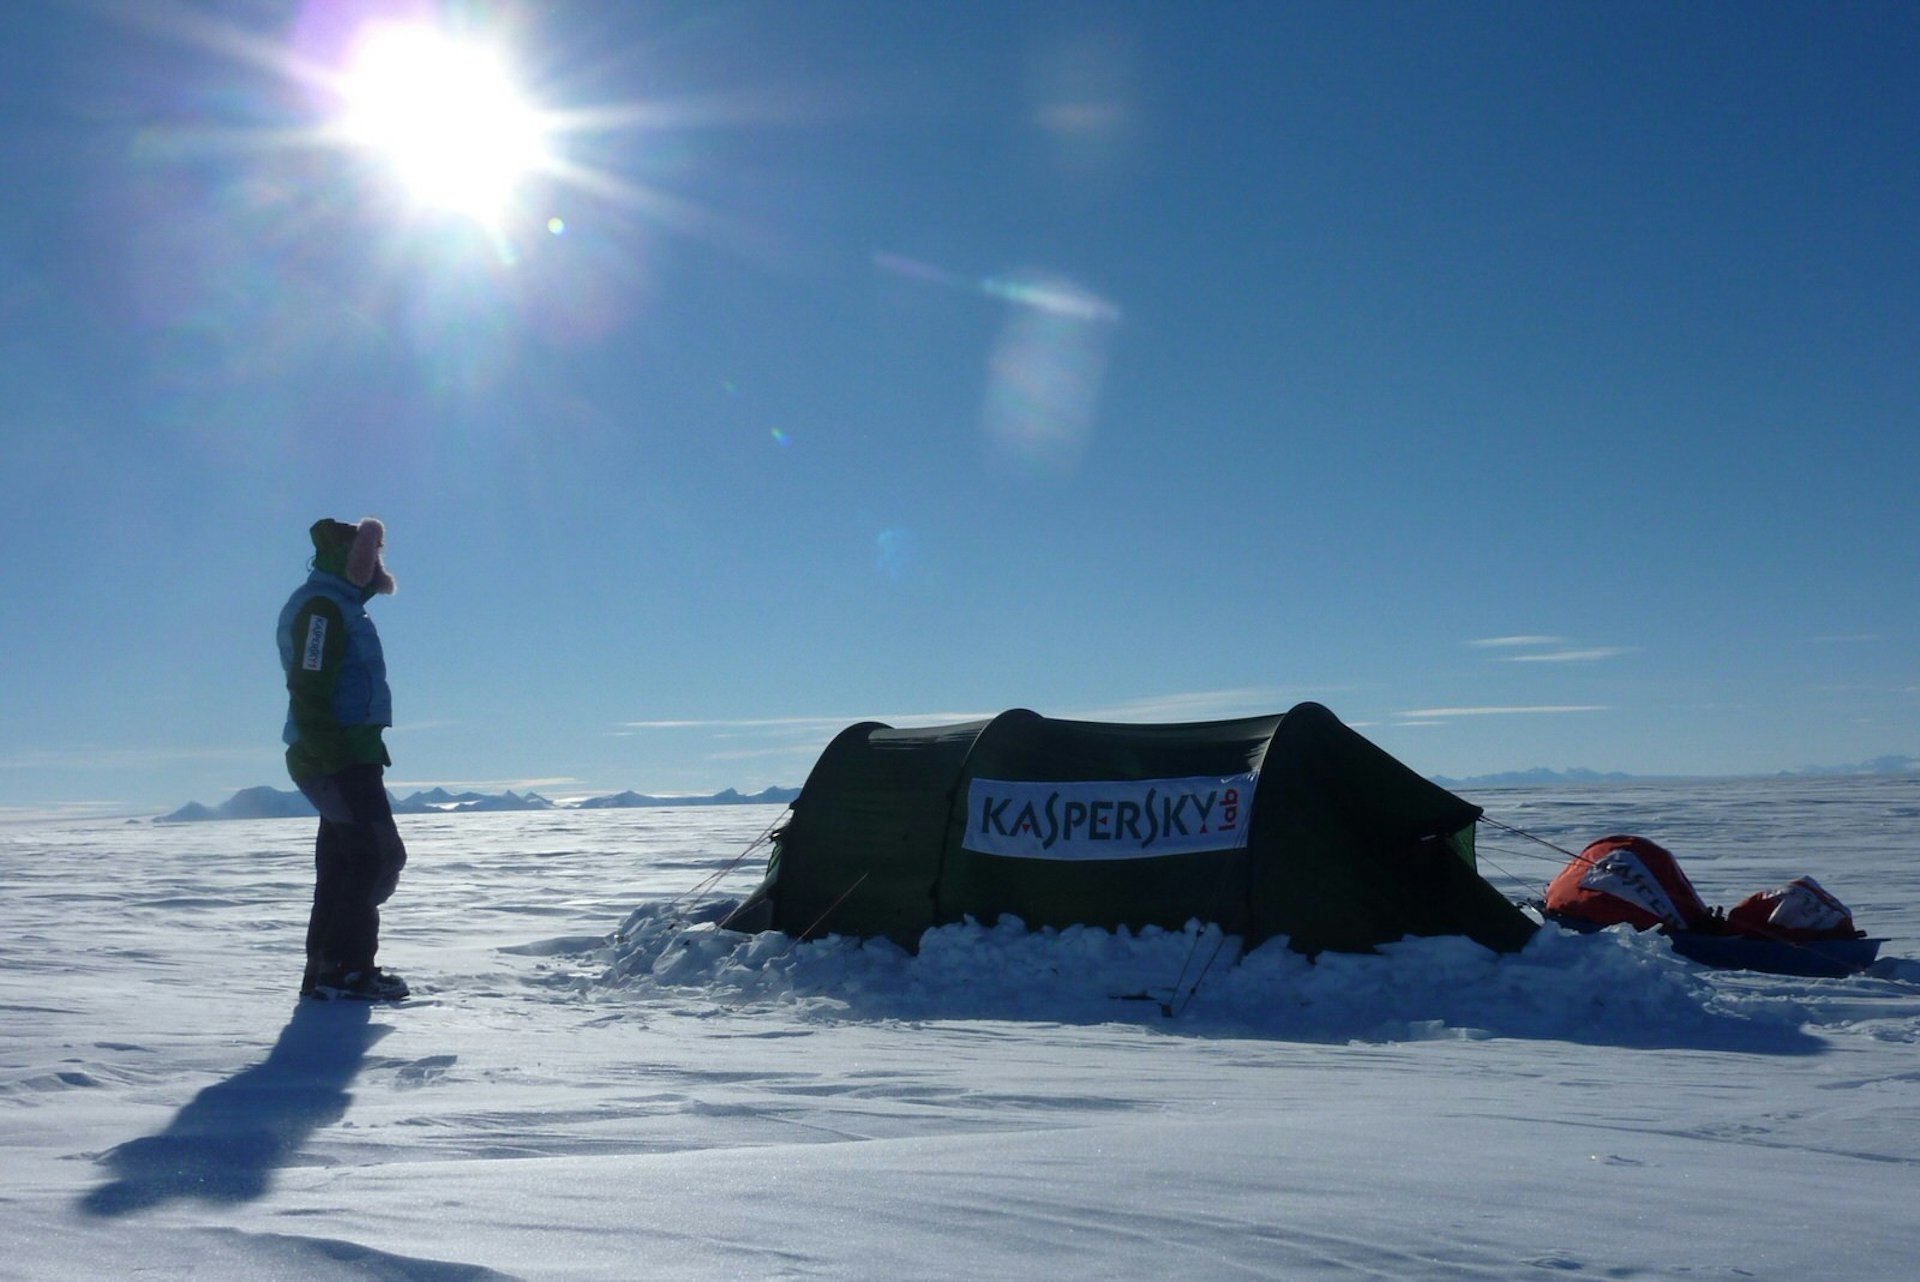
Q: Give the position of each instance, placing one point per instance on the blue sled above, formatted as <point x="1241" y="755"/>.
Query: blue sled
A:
<point x="1812" y="958"/>
<point x="1815" y="958"/>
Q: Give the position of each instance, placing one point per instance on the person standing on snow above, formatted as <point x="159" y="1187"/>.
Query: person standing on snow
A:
<point x="337" y="706"/>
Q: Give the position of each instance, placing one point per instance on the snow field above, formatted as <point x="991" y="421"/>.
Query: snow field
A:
<point x="597" y="1083"/>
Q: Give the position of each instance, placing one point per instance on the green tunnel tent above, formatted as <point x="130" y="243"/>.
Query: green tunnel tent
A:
<point x="1289" y="825"/>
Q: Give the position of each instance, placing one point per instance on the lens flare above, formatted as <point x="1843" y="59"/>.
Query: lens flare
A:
<point x="1048" y="364"/>
<point x="1046" y="373"/>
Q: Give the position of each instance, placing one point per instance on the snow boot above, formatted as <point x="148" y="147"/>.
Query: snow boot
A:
<point x="370" y="985"/>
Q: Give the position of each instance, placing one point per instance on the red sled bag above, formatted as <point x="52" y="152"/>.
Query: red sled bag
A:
<point x="1626" y="879"/>
<point x="1799" y="910"/>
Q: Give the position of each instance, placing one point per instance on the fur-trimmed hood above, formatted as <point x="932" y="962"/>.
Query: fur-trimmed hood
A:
<point x="352" y="551"/>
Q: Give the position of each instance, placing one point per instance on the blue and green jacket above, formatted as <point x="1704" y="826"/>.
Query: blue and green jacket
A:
<point x="337" y="697"/>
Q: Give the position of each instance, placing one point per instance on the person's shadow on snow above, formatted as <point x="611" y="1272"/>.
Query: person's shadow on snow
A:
<point x="226" y="1143"/>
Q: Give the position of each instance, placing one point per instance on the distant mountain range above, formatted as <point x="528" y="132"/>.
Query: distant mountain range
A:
<point x="276" y="803"/>
<point x="1889" y="765"/>
<point x="1539" y="775"/>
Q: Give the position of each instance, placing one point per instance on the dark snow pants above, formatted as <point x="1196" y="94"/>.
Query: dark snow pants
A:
<point x="357" y="859"/>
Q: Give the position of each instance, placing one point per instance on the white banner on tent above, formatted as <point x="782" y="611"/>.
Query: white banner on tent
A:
<point x="1109" y="819"/>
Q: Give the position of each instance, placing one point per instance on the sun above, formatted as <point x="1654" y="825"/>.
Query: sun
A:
<point x="446" y="115"/>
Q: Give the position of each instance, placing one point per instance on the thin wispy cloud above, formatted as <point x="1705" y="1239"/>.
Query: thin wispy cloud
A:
<point x="121" y="758"/>
<point x="721" y="723"/>
<point x="1549" y="649"/>
<point x="805" y="724"/>
<point x="801" y="752"/>
<point x="1194" y="705"/>
<point x="1504" y="710"/>
<point x="59" y="812"/>
<point x="1507" y="643"/>
<point x="482" y="785"/>
<point x="1199" y="705"/>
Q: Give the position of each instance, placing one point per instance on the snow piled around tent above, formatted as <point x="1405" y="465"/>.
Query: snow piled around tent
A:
<point x="1617" y="986"/>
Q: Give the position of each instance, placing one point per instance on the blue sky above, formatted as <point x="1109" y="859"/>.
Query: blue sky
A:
<point x="1532" y="384"/>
